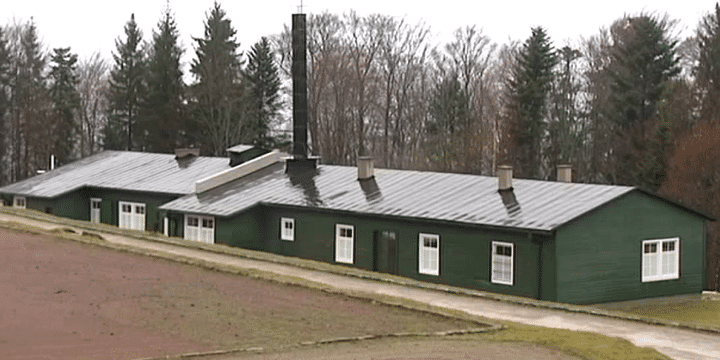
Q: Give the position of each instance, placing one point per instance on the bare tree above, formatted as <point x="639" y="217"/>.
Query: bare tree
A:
<point x="363" y="45"/>
<point x="403" y="49"/>
<point x="597" y="163"/>
<point x="93" y="89"/>
<point x="467" y="58"/>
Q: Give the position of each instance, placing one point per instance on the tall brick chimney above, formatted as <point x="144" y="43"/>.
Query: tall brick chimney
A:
<point x="300" y="158"/>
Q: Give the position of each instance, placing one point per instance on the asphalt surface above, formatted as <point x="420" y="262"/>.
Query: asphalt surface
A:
<point x="674" y="342"/>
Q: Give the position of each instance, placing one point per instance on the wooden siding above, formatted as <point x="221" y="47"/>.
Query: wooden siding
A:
<point x="245" y="230"/>
<point x="68" y="205"/>
<point x="599" y="256"/>
<point x="465" y="252"/>
<point x="109" y="211"/>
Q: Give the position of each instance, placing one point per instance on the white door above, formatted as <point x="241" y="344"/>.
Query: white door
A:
<point x="207" y="231"/>
<point x="132" y="216"/>
<point x="200" y="228"/>
<point x="95" y="210"/>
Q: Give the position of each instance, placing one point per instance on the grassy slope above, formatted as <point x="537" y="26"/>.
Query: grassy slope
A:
<point x="585" y="345"/>
<point x="694" y="310"/>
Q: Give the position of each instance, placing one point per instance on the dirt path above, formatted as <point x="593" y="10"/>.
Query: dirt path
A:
<point x="67" y="300"/>
<point x="673" y="342"/>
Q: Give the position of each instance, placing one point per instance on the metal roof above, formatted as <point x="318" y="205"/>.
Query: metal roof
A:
<point x="531" y="205"/>
<point x="123" y="170"/>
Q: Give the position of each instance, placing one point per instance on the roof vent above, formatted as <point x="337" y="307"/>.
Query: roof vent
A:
<point x="365" y="168"/>
<point x="182" y="153"/>
<point x="564" y="173"/>
<point x="504" y="174"/>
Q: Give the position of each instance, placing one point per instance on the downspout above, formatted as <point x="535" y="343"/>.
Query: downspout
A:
<point x="539" y="266"/>
<point x="705" y="285"/>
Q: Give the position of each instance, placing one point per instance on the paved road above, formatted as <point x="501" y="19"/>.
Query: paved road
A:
<point x="673" y="342"/>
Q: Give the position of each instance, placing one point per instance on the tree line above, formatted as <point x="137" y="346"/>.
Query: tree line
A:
<point x="633" y="104"/>
<point x="52" y="104"/>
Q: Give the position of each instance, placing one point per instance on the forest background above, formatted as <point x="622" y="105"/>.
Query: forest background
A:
<point x="634" y="104"/>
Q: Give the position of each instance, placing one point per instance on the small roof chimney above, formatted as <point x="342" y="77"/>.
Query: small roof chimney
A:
<point x="504" y="174"/>
<point x="182" y="153"/>
<point x="564" y="173"/>
<point x="366" y="169"/>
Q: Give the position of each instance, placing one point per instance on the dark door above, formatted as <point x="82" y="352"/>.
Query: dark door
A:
<point x="386" y="252"/>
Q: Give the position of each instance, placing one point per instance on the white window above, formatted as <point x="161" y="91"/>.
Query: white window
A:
<point x="287" y="229"/>
<point x="502" y="263"/>
<point x="200" y="228"/>
<point x="429" y="254"/>
<point x="661" y="259"/>
<point x="132" y="216"/>
<point x="95" y="210"/>
<point x="344" y="235"/>
<point x="19" y="202"/>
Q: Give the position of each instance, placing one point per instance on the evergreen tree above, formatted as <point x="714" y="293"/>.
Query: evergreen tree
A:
<point x="219" y="94"/>
<point x="643" y="61"/>
<point x="163" y="115"/>
<point x="652" y="171"/>
<point x="265" y="91"/>
<point x="707" y="70"/>
<point x="30" y="107"/>
<point x="530" y="86"/>
<point x="66" y="101"/>
<point x="126" y="87"/>
<point x="450" y="110"/>
<point x="565" y="139"/>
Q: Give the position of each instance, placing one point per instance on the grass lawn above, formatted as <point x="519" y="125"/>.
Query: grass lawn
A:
<point x="695" y="310"/>
<point x="585" y="345"/>
<point x="515" y="341"/>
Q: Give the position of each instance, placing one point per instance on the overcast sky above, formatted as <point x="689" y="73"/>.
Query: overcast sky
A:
<point x="91" y="25"/>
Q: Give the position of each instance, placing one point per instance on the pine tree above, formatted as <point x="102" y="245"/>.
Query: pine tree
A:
<point x="66" y="101"/>
<point x="30" y="107"/>
<point x="707" y="70"/>
<point x="218" y="92"/>
<point x="564" y="129"/>
<point x="450" y="110"/>
<point x="652" y="171"/>
<point x="530" y="86"/>
<point x="644" y="60"/>
<point x="163" y="114"/>
<point x="265" y="91"/>
<point x="126" y="88"/>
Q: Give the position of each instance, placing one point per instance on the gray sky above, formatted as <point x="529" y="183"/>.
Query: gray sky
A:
<point x="91" y="25"/>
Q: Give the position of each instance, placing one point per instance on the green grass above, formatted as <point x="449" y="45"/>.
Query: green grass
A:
<point x="585" y="345"/>
<point x="702" y="311"/>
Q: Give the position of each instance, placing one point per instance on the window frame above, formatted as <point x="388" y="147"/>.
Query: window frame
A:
<point x="137" y="220"/>
<point x="201" y="232"/>
<point x="17" y="199"/>
<point x="347" y="256"/>
<point x="493" y="261"/>
<point x="658" y="256"/>
<point x="429" y="253"/>
<point x="285" y="235"/>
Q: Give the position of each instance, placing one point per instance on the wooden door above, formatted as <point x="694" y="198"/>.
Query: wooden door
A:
<point x="386" y="251"/>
